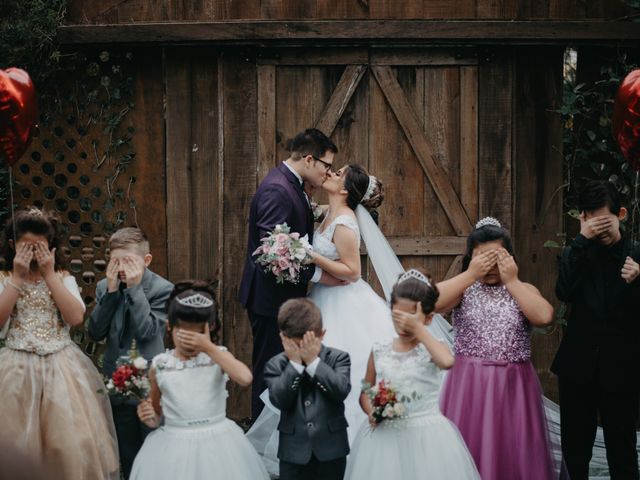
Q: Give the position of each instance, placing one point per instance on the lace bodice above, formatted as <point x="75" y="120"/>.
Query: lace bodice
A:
<point x="488" y="324"/>
<point x="323" y="241"/>
<point x="194" y="392"/>
<point x="35" y="324"/>
<point x="410" y="372"/>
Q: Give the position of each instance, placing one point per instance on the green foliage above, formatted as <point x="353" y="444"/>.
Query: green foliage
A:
<point x="84" y="97"/>
<point x="589" y="149"/>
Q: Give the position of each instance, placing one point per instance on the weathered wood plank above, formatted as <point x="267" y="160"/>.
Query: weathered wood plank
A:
<point x="413" y="57"/>
<point x="496" y="9"/>
<point x="342" y="9"/>
<point x="412" y="129"/>
<point x="287" y="9"/>
<point x="495" y="85"/>
<point x="266" y="158"/>
<point x="149" y="191"/>
<point x="340" y="98"/>
<point x="469" y="141"/>
<point x="236" y="9"/>
<point x="454" y="268"/>
<point x="239" y="104"/>
<point x="538" y="178"/>
<point x="192" y="163"/>
<point x="313" y="56"/>
<point x="361" y="31"/>
<point x="427" y="245"/>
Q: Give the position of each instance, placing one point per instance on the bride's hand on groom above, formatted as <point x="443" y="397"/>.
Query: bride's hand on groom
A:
<point x="291" y="349"/>
<point x="331" y="281"/>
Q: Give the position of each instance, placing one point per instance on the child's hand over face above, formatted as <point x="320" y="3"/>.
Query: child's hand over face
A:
<point x="482" y="263"/>
<point x="507" y="267"/>
<point x="22" y="260"/>
<point x="291" y="349"/>
<point x="133" y="270"/>
<point x="147" y="414"/>
<point x="113" y="268"/>
<point x="45" y="259"/>
<point x="595" y="226"/>
<point x="409" y="323"/>
<point x="630" y="270"/>
<point x="310" y="347"/>
<point x="195" y="341"/>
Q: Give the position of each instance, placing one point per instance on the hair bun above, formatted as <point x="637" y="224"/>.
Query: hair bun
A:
<point x="374" y="195"/>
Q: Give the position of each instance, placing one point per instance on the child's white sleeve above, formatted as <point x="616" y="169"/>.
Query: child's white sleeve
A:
<point x="71" y="284"/>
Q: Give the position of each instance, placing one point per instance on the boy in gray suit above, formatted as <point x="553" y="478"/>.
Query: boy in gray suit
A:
<point x="130" y="305"/>
<point x="309" y="382"/>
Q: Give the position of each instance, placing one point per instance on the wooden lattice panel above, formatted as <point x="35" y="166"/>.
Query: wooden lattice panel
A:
<point x="76" y="166"/>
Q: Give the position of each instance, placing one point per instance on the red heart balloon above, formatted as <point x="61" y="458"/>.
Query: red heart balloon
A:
<point x="626" y="118"/>
<point x="18" y="113"/>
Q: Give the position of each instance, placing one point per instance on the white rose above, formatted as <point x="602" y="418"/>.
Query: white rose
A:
<point x="300" y="254"/>
<point x="140" y="363"/>
<point x="399" y="409"/>
<point x="110" y="385"/>
<point x="388" y="411"/>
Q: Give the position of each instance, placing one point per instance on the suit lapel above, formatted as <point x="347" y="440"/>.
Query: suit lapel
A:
<point x="303" y="199"/>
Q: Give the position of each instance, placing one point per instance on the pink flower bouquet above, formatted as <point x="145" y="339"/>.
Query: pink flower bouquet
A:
<point x="284" y="253"/>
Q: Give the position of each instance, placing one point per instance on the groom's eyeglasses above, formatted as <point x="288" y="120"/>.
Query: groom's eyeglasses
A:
<point x="327" y="166"/>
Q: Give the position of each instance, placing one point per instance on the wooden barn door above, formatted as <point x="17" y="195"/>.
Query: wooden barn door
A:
<point x="409" y="116"/>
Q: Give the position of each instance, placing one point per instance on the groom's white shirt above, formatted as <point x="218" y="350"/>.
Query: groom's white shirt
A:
<point x="318" y="272"/>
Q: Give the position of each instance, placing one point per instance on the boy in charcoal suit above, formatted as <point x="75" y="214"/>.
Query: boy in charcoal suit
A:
<point x="309" y="382"/>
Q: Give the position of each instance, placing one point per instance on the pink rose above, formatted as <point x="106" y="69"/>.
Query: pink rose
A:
<point x="282" y="238"/>
<point x="295" y="235"/>
<point x="284" y="263"/>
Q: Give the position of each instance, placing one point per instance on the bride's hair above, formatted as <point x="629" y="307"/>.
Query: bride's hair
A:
<point x="356" y="183"/>
<point x="191" y="312"/>
<point x="413" y="289"/>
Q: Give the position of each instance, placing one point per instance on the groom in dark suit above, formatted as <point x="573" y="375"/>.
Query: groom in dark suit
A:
<point x="281" y="198"/>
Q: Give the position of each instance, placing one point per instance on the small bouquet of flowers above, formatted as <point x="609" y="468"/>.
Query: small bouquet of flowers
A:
<point x="387" y="403"/>
<point x="284" y="253"/>
<point x="130" y="378"/>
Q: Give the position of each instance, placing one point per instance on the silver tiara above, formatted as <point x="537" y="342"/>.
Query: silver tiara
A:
<point x="488" y="221"/>
<point x="370" y="188"/>
<point x="35" y="211"/>
<point x="413" y="273"/>
<point x="196" y="300"/>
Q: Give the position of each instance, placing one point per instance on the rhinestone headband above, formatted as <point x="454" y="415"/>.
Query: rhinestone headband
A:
<point x="196" y="300"/>
<point x="413" y="273"/>
<point x="370" y="188"/>
<point x="488" y="221"/>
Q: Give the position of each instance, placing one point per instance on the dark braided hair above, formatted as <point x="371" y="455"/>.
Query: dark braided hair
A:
<point x="356" y="182"/>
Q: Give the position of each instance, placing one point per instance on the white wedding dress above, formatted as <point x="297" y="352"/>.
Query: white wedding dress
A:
<point x="354" y="317"/>
<point x="197" y="440"/>
<point x="424" y="444"/>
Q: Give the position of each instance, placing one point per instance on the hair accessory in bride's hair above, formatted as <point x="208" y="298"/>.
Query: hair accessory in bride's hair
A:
<point x="195" y="300"/>
<point x="413" y="273"/>
<point x="488" y="221"/>
<point x="370" y="188"/>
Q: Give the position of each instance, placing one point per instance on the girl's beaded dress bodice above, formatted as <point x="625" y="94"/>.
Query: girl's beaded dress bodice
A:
<point x="488" y="324"/>
<point x="36" y="324"/>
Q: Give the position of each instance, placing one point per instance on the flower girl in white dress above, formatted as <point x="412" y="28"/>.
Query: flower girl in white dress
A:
<point x="188" y="387"/>
<point x="421" y="442"/>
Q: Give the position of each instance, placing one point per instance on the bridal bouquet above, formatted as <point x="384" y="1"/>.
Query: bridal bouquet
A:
<point x="387" y="403"/>
<point x="284" y="253"/>
<point x="129" y="378"/>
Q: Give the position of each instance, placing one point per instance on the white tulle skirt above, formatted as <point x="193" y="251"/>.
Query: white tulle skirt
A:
<point x="425" y="447"/>
<point x="187" y="453"/>
<point x="354" y="317"/>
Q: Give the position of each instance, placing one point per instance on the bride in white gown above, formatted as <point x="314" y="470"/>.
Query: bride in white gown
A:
<point x="354" y="316"/>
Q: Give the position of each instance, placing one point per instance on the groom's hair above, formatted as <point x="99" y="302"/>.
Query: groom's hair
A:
<point x="298" y="316"/>
<point x="311" y="142"/>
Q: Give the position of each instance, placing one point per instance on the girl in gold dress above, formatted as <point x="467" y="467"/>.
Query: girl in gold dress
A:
<point x="49" y="401"/>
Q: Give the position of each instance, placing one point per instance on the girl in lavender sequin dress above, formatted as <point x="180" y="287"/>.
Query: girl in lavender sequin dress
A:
<point x="492" y="393"/>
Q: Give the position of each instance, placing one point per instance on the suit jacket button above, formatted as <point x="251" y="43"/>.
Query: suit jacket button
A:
<point x="309" y="425"/>
<point x="307" y="403"/>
